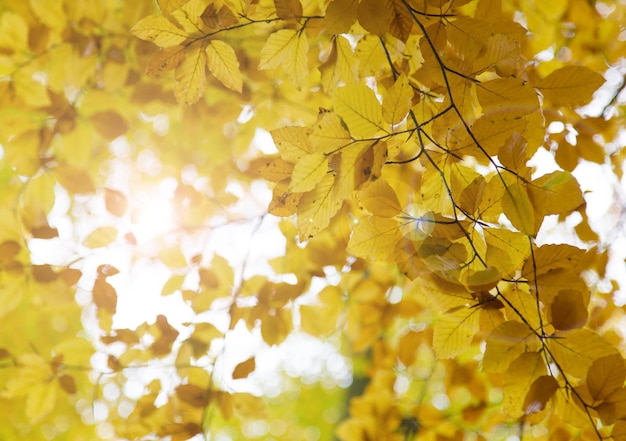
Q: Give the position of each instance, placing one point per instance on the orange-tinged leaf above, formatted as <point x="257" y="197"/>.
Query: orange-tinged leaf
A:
<point x="571" y="85"/>
<point x="397" y="100"/>
<point x="542" y="389"/>
<point x="619" y="431"/>
<point x="100" y="237"/>
<point x="193" y="395"/>
<point x="190" y="75"/>
<point x="104" y="296"/>
<point x="245" y="368"/>
<point x="67" y="383"/>
<point x="605" y="375"/>
<point x="73" y="179"/>
<point x="159" y="30"/>
<point x="376" y="15"/>
<point x="505" y="343"/>
<point x="518" y="208"/>
<point x="288" y="9"/>
<point x="308" y="171"/>
<point x="454" y="331"/>
<point x="115" y="202"/>
<point x="340" y="16"/>
<point x="568" y="310"/>
<point x="223" y="64"/>
<point x="109" y="124"/>
<point x="360" y="110"/>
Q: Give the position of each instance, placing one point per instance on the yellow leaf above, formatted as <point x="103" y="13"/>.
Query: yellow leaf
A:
<point x="518" y="378"/>
<point x="605" y="375"/>
<point x="340" y="16"/>
<point x="32" y="92"/>
<point x="189" y="15"/>
<point x="329" y="134"/>
<point x="109" y="124"/>
<point x="454" y="331"/>
<point x="190" y="75"/>
<point x="247" y="405"/>
<point x="341" y="67"/>
<point x="505" y="343"/>
<point x="507" y="98"/>
<point x="223" y="64"/>
<point x="159" y="30"/>
<point x="308" y="172"/>
<point x="360" y="110"/>
<point x="518" y="208"/>
<point x="13" y="32"/>
<point x="542" y="389"/>
<point x="555" y="193"/>
<point x="173" y="257"/>
<point x="173" y="284"/>
<point x="50" y="13"/>
<point x="245" y="368"/>
<point x="317" y="207"/>
<point x="164" y="60"/>
<point x="41" y="400"/>
<point x="380" y="199"/>
<point x="284" y="203"/>
<point x="571" y="85"/>
<point x="292" y="142"/>
<point x="287" y="50"/>
<point x="397" y="100"/>
<point x="483" y="280"/>
<point x="576" y="350"/>
<point x="100" y="237"/>
<point x="375" y="238"/>
<point x="11" y="292"/>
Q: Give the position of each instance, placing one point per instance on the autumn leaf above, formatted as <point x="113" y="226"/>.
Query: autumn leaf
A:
<point x="245" y="368"/>
<point x="360" y="110"/>
<point x="159" y="30"/>
<point x="570" y="85"/>
<point x="223" y="64"/>
<point x="287" y="49"/>
<point x="190" y="75"/>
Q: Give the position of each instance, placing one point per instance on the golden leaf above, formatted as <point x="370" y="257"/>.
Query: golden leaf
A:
<point x="555" y="193"/>
<point x="288" y="9"/>
<point x="317" y="207"/>
<point x="360" y="110"/>
<point x="518" y="208"/>
<point x="193" y="395"/>
<point x="576" y="350"/>
<point x="518" y="378"/>
<point x="542" y="389"/>
<point x="570" y="85"/>
<point x="244" y="369"/>
<point x="605" y="375"/>
<point x="74" y="180"/>
<point x="329" y="134"/>
<point x="115" y="202"/>
<point x="13" y="32"/>
<point x="159" y="30"/>
<point x="308" y="171"/>
<point x="190" y="75"/>
<point x="568" y="310"/>
<point x="376" y="15"/>
<point x="397" y="100"/>
<point x="223" y="64"/>
<point x="380" y="199"/>
<point x="287" y="50"/>
<point x="292" y="142"/>
<point x="505" y="343"/>
<point x="454" y="331"/>
<point x="340" y="16"/>
<point x="109" y="124"/>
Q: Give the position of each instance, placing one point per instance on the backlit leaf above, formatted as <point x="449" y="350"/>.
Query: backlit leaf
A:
<point x="308" y="171"/>
<point x="570" y="85"/>
<point x="518" y="378"/>
<point x="568" y="310"/>
<point x="605" y="375"/>
<point x="360" y="110"/>
<point x="223" y="64"/>
<point x="518" y="208"/>
<point x="190" y="75"/>
<point x="397" y="101"/>
<point x="454" y="331"/>
<point x="505" y="343"/>
<point x="100" y="237"/>
<point x="287" y="49"/>
<point x="542" y="389"/>
<point x="159" y="30"/>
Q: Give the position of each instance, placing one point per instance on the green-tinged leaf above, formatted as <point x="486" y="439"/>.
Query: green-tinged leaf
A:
<point x="223" y="64"/>
<point x="571" y="85"/>
<point x="555" y="193"/>
<point x="173" y="284"/>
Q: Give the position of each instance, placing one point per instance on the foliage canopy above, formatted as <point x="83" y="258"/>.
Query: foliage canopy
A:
<point x="434" y="243"/>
